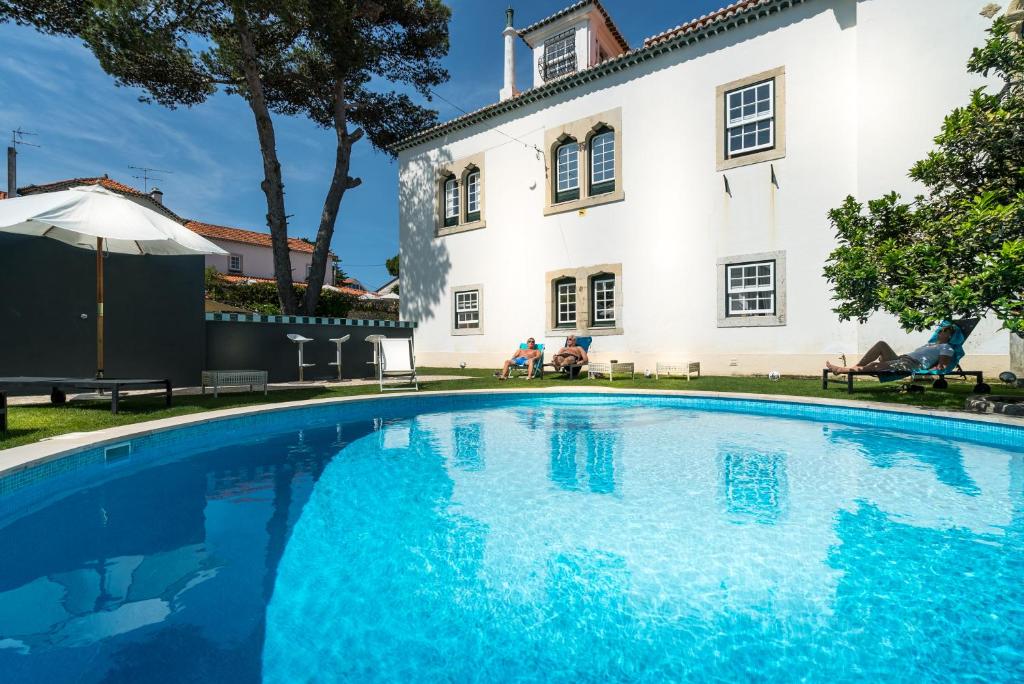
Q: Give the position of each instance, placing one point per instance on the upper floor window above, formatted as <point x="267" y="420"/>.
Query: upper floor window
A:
<point x="234" y="263"/>
<point x="565" y="303"/>
<point x="750" y="289"/>
<point x="750" y="118"/>
<point x="602" y="300"/>
<point x="559" y="55"/>
<point x="602" y="162"/>
<point x="467" y="309"/>
<point x="451" y="202"/>
<point x="473" y="196"/>
<point x="567" y="176"/>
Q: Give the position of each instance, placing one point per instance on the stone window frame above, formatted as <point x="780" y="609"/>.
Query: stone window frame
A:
<point x="459" y="170"/>
<point x="583" y="276"/>
<point x="479" y="289"/>
<point x="753" y="321"/>
<point x="582" y="131"/>
<point x="778" y="150"/>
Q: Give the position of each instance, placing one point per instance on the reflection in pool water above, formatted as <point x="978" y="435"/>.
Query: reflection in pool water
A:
<point x="540" y="540"/>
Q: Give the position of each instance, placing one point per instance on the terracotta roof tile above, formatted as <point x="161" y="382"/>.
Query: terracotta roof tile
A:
<point x="234" y="278"/>
<point x="3" y="195"/>
<point x="249" y="237"/>
<point x="612" y="28"/>
<point x="104" y="181"/>
<point x="701" y="22"/>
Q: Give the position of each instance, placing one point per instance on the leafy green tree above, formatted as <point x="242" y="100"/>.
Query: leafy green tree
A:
<point x="392" y="266"/>
<point x="957" y="251"/>
<point x="328" y="60"/>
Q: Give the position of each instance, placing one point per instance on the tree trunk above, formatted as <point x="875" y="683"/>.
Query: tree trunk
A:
<point x="340" y="182"/>
<point x="272" y="186"/>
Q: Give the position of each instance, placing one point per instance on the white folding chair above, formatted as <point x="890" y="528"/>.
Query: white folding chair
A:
<point x="397" y="361"/>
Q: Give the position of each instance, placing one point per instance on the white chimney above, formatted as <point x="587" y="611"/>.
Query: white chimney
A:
<point x="157" y="194"/>
<point x="509" y="89"/>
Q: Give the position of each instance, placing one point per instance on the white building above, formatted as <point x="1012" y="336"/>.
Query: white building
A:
<point x="671" y="199"/>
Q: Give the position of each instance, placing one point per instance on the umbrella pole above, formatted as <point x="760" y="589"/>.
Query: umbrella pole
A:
<point x="99" y="307"/>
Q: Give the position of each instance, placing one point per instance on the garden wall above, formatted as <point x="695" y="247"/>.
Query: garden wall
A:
<point x="253" y="341"/>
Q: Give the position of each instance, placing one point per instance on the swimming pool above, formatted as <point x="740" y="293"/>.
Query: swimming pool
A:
<point x="549" y="538"/>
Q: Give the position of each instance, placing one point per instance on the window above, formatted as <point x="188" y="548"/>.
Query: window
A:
<point x="309" y="269"/>
<point x="602" y="162"/>
<point x="567" y="176"/>
<point x="559" y="55"/>
<point x="750" y="118"/>
<point x="467" y="309"/>
<point x="750" y="289"/>
<point x="473" y="196"/>
<point x="234" y="263"/>
<point x="451" y="202"/>
<point x="565" y="303"/>
<point x="602" y="297"/>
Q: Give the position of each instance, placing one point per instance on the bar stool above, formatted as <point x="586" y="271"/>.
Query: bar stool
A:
<point x="375" y="341"/>
<point x="339" y="341"/>
<point x="300" y="340"/>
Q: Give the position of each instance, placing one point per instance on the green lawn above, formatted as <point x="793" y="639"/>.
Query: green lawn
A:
<point x="32" y="423"/>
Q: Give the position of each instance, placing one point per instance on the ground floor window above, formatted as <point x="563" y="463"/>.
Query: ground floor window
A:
<point x="602" y="297"/>
<point x="565" y="295"/>
<point x="467" y="309"/>
<point x="751" y="289"/>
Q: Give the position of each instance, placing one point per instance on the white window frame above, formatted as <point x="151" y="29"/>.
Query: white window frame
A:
<point x="473" y="192"/>
<point x="756" y="119"/>
<point x="602" y="294"/>
<point x="451" y="199"/>
<point x="756" y="288"/>
<point x="565" y="293"/>
<point x="467" y="303"/>
<point x="573" y="147"/>
<point x="606" y="156"/>
<point x="232" y="257"/>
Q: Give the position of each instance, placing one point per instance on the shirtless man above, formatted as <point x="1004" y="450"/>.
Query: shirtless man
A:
<point x="570" y="355"/>
<point x="881" y="357"/>
<point x="521" y="358"/>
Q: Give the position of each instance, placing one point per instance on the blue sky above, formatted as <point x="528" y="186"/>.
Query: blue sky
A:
<point x="87" y="127"/>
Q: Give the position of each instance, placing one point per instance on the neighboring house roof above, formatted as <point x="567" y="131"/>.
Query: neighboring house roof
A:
<point x="734" y="15"/>
<point x="103" y="181"/>
<point x="388" y="286"/>
<point x="249" y="237"/>
<point x="354" y="291"/>
<point x="612" y="28"/>
<point x="3" y="195"/>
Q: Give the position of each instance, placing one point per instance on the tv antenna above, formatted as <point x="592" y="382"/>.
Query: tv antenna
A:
<point x="18" y="138"/>
<point x="146" y="175"/>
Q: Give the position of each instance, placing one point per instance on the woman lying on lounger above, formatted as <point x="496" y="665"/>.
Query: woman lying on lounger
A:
<point x="570" y="355"/>
<point x="881" y="358"/>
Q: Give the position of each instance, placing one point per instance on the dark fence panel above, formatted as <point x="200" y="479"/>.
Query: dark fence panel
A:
<point x="154" y="312"/>
<point x="253" y="342"/>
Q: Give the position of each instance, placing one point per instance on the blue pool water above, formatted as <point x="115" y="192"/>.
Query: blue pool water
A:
<point x="562" y="539"/>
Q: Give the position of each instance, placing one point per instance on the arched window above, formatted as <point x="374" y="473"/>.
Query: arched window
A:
<point x="451" y="201"/>
<point x="567" y="171"/>
<point x="602" y="300"/>
<point x="472" y="183"/>
<point x="602" y="161"/>
<point x="565" y="302"/>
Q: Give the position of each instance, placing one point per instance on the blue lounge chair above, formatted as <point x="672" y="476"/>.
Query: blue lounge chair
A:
<point x="964" y="328"/>
<point x="574" y="371"/>
<point x="538" y="364"/>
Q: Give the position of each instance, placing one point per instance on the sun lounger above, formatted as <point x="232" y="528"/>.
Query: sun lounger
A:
<point x="538" y="364"/>
<point x="397" y="363"/>
<point x="964" y="328"/>
<point x="573" y="371"/>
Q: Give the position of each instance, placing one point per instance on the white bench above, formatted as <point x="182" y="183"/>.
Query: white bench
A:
<point x="671" y="368"/>
<point x="238" y="378"/>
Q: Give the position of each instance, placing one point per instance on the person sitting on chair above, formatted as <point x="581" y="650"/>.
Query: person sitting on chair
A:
<point x="570" y="355"/>
<point x="521" y="358"/>
<point x="881" y="357"/>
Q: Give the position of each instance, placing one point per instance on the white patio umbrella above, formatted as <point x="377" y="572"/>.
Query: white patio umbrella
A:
<point x="92" y="217"/>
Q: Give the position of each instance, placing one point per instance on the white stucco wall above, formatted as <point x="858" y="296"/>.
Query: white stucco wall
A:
<point x="867" y="84"/>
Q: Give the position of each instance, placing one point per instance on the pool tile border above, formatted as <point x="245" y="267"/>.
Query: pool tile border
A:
<point x="33" y="463"/>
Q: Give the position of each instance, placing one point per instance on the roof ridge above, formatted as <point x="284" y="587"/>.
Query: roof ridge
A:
<point x="667" y="41"/>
